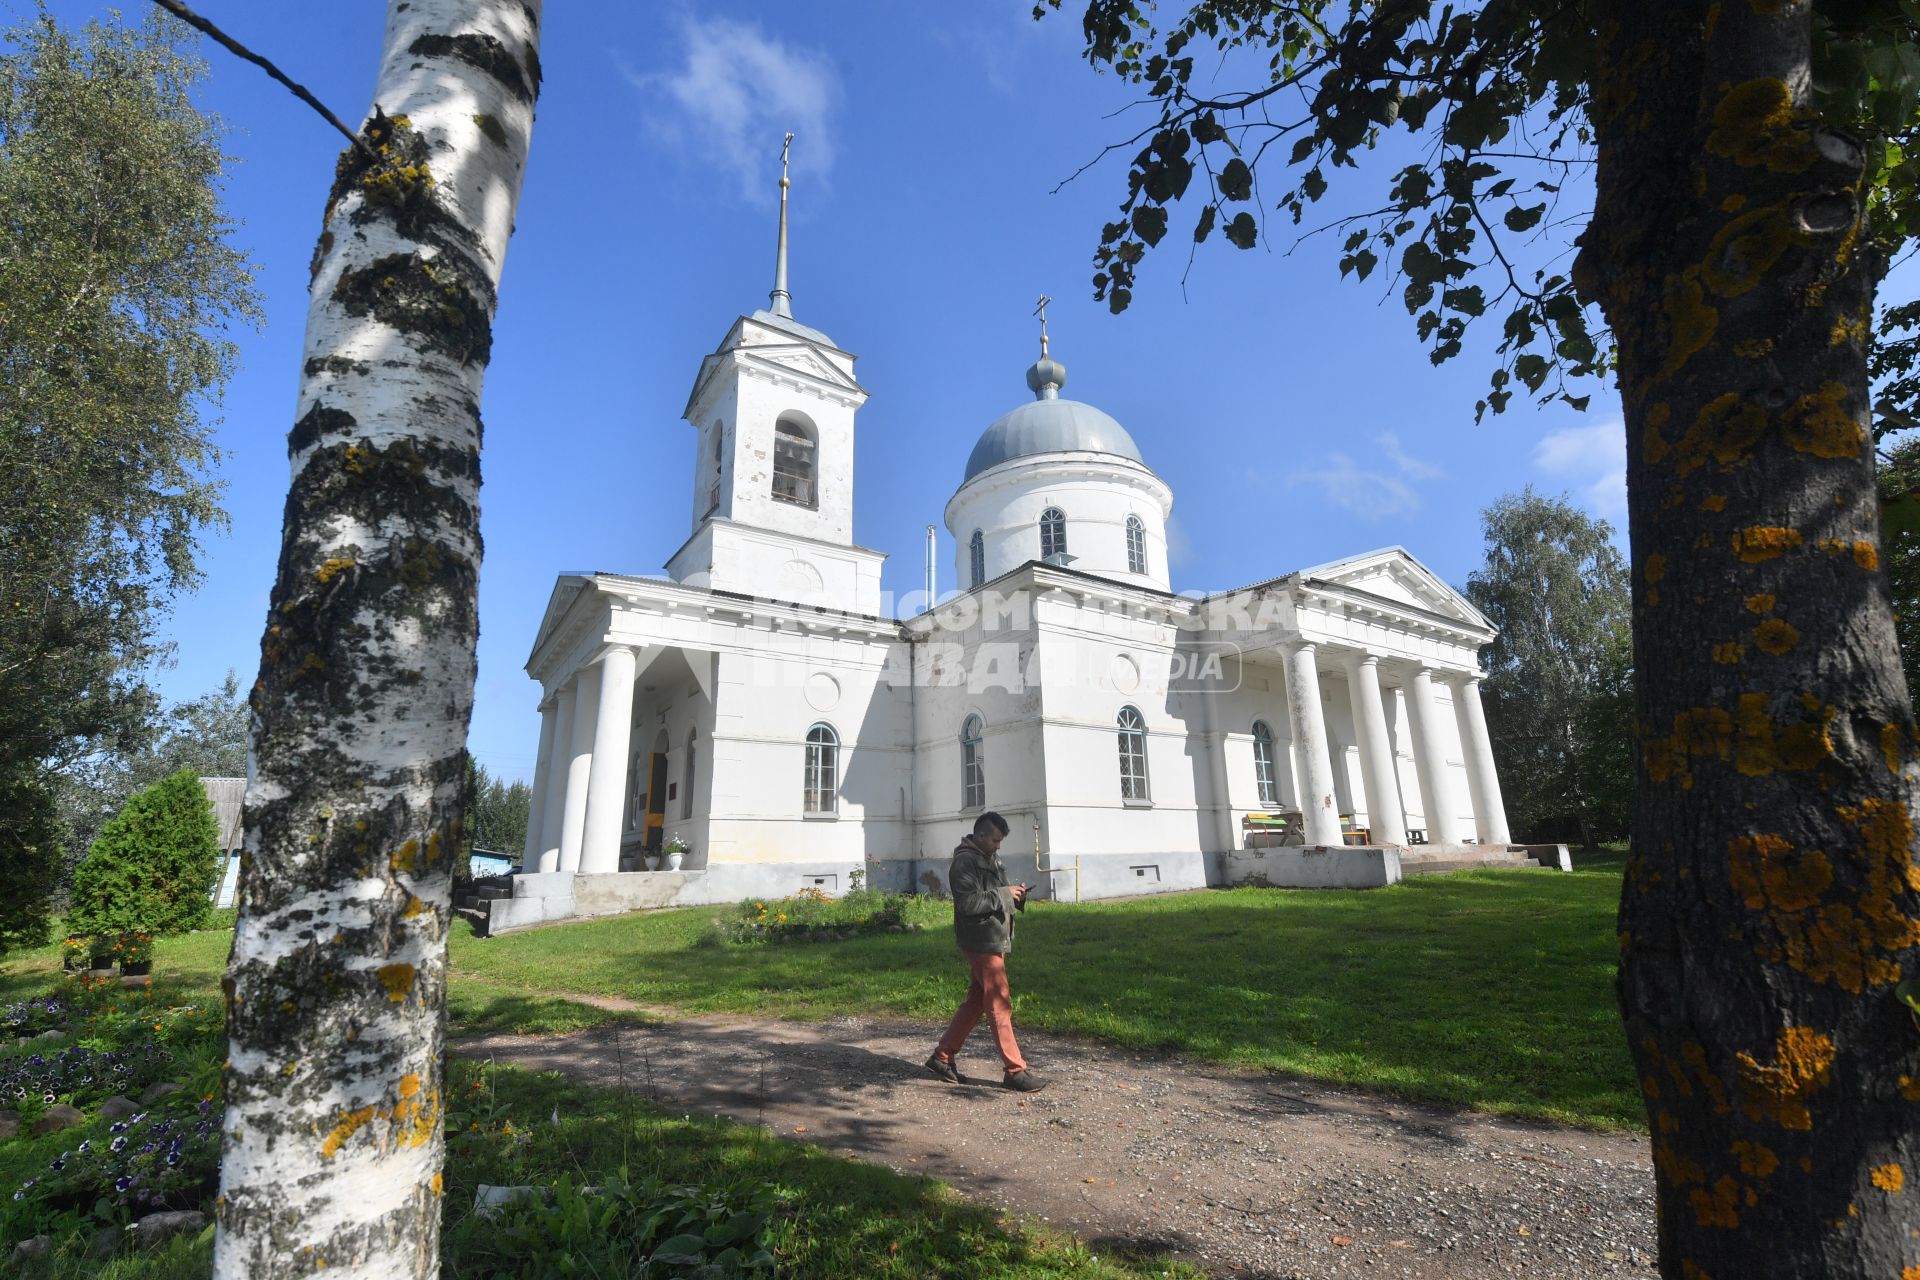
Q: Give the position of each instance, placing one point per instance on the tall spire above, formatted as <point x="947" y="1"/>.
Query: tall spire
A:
<point x="780" y="301"/>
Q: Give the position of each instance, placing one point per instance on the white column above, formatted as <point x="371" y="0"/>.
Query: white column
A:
<point x="537" y="799"/>
<point x="1385" y="816"/>
<point x="1430" y="756"/>
<point x="552" y="816"/>
<point x="606" y="792"/>
<point x="1310" y="740"/>
<point x="1483" y="780"/>
<point x="573" y="821"/>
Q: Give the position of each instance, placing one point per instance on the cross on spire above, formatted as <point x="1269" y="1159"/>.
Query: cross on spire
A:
<point x="1041" y="310"/>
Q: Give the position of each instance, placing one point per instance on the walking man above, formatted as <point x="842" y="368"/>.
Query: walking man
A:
<point x="983" y="907"/>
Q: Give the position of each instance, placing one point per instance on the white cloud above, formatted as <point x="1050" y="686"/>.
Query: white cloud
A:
<point x="1371" y="492"/>
<point x="1592" y="459"/>
<point x="735" y="94"/>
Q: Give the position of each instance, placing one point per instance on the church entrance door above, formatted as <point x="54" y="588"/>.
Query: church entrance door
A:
<point x="656" y="799"/>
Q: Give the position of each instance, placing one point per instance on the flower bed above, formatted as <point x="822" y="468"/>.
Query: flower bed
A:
<point x="813" y="916"/>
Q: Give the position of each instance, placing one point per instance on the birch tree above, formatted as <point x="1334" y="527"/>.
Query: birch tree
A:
<point x="336" y="989"/>
<point x="1754" y="166"/>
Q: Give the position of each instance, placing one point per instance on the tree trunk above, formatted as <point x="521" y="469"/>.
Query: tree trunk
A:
<point x="1770" y="907"/>
<point x="336" y="989"/>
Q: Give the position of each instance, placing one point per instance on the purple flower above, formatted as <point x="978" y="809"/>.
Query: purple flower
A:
<point x="120" y="1143"/>
<point x="122" y="1183"/>
<point x="173" y="1157"/>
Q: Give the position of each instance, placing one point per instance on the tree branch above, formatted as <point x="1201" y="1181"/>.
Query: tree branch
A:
<point x="192" y="19"/>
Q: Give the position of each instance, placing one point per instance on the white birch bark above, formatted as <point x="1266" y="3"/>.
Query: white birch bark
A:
<point x="336" y="990"/>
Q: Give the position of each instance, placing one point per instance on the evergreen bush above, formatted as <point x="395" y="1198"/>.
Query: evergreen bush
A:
<point x="153" y="868"/>
<point x="30" y="858"/>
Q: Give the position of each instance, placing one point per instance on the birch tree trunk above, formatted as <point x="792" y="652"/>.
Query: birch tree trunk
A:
<point x="336" y="988"/>
<point x="1772" y="906"/>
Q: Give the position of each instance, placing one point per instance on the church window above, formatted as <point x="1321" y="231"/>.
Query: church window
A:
<point x="977" y="558"/>
<point x="973" y="766"/>
<point x="1136" y="545"/>
<point x="793" y="458"/>
<point x="1053" y="533"/>
<point x="1133" y="755"/>
<point x="686" y="780"/>
<point x="719" y="464"/>
<point x="1263" y="765"/>
<point x="823" y="770"/>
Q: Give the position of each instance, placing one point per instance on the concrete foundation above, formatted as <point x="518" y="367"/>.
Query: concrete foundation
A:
<point x="543" y="898"/>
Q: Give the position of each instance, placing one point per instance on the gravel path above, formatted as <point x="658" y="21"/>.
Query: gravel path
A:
<point x="1249" y="1175"/>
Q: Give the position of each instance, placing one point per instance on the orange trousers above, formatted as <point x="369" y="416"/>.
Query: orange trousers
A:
<point x="987" y="995"/>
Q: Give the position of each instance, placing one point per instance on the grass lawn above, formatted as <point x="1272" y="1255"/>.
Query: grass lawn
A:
<point x="1490" y="990"/>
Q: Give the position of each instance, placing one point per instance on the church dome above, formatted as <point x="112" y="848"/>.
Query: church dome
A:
<point x="1050" y="424"/>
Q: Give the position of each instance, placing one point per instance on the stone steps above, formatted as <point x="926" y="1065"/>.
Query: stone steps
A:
<point x="1433" y="864"/>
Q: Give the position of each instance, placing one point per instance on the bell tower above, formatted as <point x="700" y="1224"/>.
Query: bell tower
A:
<point x="773" y="410"/>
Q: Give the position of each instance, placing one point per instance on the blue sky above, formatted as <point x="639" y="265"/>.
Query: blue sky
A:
<point x="1294" y="415"/>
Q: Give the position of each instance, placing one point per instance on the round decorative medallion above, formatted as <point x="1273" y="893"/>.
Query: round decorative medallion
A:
<point x="1124" y="674"/>
<point x="823" y="691"/>
<point x="801" y="578"/>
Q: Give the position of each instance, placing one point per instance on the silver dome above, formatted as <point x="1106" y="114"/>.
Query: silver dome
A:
<point x="1050" y="424"/>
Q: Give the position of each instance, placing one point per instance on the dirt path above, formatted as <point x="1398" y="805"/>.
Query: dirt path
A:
<point x="1247" y="1174"/>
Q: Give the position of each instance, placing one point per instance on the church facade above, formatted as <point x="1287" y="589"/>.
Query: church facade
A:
<point x="756" y="709"/>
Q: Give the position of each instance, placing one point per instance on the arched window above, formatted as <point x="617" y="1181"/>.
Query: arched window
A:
<point x="977" y="558"/>
<point x="1263" y="765"/>
<point x="1053" y="533"/>
<point x="973" y="766"/>
<point x="1133" y="755"/>
<point x="823" y="770"/>
<point x="686" y="781"/>
<point x="719" y="464"/>
<point x="793" y="463"/>
<point x="1136" y="545"/>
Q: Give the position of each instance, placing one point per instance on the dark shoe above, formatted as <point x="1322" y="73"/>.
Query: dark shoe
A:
<point x="944" y="1070"/>
<point x="1025" y="1081"/>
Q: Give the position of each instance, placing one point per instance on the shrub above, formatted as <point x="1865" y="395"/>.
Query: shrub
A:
<point x="813" y="916"/>
<point x="152" y="870"/>
<point x="30" y="858"/>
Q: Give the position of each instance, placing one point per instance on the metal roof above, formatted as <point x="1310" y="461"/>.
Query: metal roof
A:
<point x="1050" y="426"/>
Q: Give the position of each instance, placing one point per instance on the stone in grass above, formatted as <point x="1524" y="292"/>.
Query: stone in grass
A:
<point x="155" y="1092"/>
<point x="32" y="1247"/>
<point x="106" y="1242"/>
<point x="59" y="1116"/>
<point x="51" y="1035"/>
<point x="9" y="1125"/>
<point x="489" y="1200"/>
<point x="118" y="1108"/>
<point x="155" y="1227"/>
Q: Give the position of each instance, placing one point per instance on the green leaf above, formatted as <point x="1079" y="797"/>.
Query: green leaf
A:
<point x="1314" y="184"/>
<point x="1236" y="180"/>
<point x="1468" y="298"/>
<point x="1150" y="223"/>
<point x="1204" y="227"/>
<point x="1302" y="149"/>
<point x="1522" y="219"/>
<point x="1242" y="230"/>
<point x="1532" y="370"/>
<point x="1364" y="262"/>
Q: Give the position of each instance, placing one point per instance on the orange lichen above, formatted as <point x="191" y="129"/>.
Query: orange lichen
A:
<point x="1866" y="555"/>
<point x="413" y="1118"/>
<point x="1728" y="652"/>
<point x="1762" y="603"/>
<point x="1752" y="348"/>
<point x="1688" y="1271"/>
<point x="1716" y="1208"/>
<point x="1890" y="746"/>
<point x="1756" y="1160"/>
<point x="1802" y="1065"/>
<point x="406" y="858"/>
<point x="1694" y="1055"/>
<point x="332" y="568"/>
<point x="1776" y="637"/>
<point x="350" y="1123"/>
<point x="1909" y="1088"/>
<point x="1769" y="874"/>
<point x="1652" y="443"/>
<point x="1655" y="569"/>
<point x="1764" y="542"/>
<point x="1698" y="731"/>
<point x="1820" y="424"/>
<point x="1714" y="502"/>
<point x="1890" y="1178"/>
<point x="413" y="908"/>
<point x="1691" y="323"/>
<point x="1744" y="250"/>
<point x="437" y="1183"/>
<point x="1849" y="329"/>
<point x="1763" y="746"/>
<point x="397" y="979"/>
<point x="1754" y="124"/>
<point x="1725" y="429"/>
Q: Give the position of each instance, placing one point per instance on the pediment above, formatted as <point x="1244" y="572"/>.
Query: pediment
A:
<point x="566" y="590"/>
<point x="1392" y="574"/>
<point x="801" y="358"/>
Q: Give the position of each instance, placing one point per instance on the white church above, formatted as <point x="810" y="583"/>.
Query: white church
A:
<point x="755" y="711"/>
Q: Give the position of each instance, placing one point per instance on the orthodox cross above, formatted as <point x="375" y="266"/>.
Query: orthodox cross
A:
<point x="1041" y="311"/>
<point x="785" y="147"/>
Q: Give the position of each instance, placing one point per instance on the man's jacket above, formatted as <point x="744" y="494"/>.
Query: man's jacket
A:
<point x="983" y="904"/>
